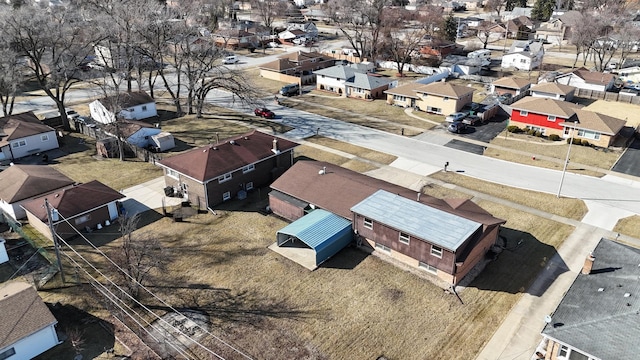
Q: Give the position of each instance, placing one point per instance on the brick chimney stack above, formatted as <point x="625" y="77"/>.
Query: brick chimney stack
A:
<point x="588" y="264"/>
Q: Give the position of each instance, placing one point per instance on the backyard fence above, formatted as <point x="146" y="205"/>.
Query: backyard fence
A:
<point x="609" y="96"/>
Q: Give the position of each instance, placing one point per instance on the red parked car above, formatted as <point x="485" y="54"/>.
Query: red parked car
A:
<point x="264" y="112"/>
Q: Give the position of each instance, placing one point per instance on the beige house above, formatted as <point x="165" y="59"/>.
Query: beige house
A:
<point x="438" y="97"/>
<point x="296" y="67"/>
<point x="510" y="85"/>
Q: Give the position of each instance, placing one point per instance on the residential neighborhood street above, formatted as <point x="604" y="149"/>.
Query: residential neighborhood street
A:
<point x="608" y="198"/>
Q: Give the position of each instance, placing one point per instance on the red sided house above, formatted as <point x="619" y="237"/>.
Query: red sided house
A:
<point x="444" y="237"/>
<point x="563" y="118"/>
<point x="215" y="173"/>
<point x="82" y="207"/>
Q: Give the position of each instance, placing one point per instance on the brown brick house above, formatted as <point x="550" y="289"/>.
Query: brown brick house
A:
<point x="215" y="173"/>
<point x="471" y="230"/>
<point x="81" y="207"/>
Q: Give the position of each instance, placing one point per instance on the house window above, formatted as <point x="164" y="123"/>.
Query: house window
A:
<point x="563" y="352"/>
<point x="249" y="185"/>
<point x="248" y="168"/>
<point x="367" y="223"/>
<point x="82" y="219"/>
<point x="445" y="98"/>
<point x="20" y="143"/>
<point x="428" y="268"/>
<point x="434" y="110"/>
<point x="399" y="98"/>
<point x="551" y="118"/>
<point x="172" y="173"/>
<point x="404" y="238"/>
<point x="535" y="128"/>
<point x="524" y="113"/>
<point x="226" y="196"/>
<point x="225" y="177"/>
<point x="144" y="107"/>
<point x="44" y="137"/>
<point x="589" y="134"/>
<point x="7" y="353"/>
<point x="436" y="251"/>
<point x="383" y="248"/>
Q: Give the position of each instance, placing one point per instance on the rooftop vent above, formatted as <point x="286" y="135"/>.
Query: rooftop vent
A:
<point x="246" y="138"/>
<point x="600" y="289"/>
<point x="323" y="171"/>
<point x="232" y="142"/>
<point x="588" y="264"/>
<point x="627" y="294"/>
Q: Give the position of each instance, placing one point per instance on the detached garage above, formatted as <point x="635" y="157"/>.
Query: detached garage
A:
<point x="314" y="238"/>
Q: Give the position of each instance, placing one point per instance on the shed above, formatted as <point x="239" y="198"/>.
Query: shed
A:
<point x="108" y="147"/>
<point x="322" y="231"/>
<point x="163" y="141"/>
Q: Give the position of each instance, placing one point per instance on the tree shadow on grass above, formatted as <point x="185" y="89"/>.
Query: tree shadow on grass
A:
<point x="516" y="268"/>
<point x="112" y="232"/>
<point x="73" y="322"/>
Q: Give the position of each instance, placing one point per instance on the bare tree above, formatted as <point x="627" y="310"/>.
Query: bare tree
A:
<point x="484" y="33"/>
<point x="495" y="5"/>
<point x="402" y="42"/>
<point x="11" y="77"/>
<point x="54" y="46"/>
<point x="268" y="10"/>
<point x="138" y="256"/>
<point x="362" y="23"/>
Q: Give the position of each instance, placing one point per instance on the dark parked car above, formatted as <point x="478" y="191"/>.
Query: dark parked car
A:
<point x="505" y="97"/>
<point x="264" y="112"/>
<point x="472" y="120"/>
<point x="457" y="127"/>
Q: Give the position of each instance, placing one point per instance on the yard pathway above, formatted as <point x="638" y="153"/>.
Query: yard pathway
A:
<point x="147" y="196"/>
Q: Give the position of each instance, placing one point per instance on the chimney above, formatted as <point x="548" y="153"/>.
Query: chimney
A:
<point x="588" y="264"/>
<point x="418" y="199"/>
<point x="275" y="146"/>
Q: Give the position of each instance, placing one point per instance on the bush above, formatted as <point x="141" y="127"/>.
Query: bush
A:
<point x="575" y="141"/>
<point x="554" y="137"/>
<point x="585" y="143"/>
<point x="531" y="132"/>
<point x="537" y="134"/>
<point x="513" y="129"/>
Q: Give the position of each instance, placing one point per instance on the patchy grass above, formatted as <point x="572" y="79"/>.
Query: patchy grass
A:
<point x="271" y="307"/>
<point x="81" y="165"/>
<point x="583" y="155"/>
<point x="570" y="208"/>
<point x="358" y="151"/>
<point x="443" y="192"/>
<point x="309" y="152"/>
<point x="529" y="160"/>
<point x="629" y="226"/>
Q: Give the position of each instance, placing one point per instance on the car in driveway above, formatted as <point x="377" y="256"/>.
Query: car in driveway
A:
<point x="457" y="116"/>
<point x="506" y="97"/>
<point x="265" y="113"/>
<point x="472" y="120"/>
<point x="457" y="127"/>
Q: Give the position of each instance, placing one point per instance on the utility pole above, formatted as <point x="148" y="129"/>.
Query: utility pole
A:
<point x="56" y="245"/>
<point x="566" y="161"/>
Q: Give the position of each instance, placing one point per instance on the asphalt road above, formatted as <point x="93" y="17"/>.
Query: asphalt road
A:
<point x="628" y="162"/>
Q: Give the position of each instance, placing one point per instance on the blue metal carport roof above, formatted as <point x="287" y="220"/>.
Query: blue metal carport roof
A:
<point x="324" y="232"/>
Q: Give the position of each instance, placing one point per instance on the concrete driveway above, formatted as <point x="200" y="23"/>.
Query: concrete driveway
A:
<point x="147" y="196"/>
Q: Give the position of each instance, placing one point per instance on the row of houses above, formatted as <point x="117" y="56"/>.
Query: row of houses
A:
<point x="548" y="109"/>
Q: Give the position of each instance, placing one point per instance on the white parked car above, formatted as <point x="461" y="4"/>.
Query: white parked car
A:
<point x="230" y="60"/>
<point x="457" y="116"/>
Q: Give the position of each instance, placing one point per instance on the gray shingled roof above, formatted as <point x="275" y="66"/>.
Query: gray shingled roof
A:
<point x="368" y="82"/>
<point x="425" y="222"/>
<point x="338" y="72"/>
<point x="603" y="324"/>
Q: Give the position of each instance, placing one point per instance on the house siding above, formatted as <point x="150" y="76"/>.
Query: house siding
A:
<point x="407" y="102"/>
<point x="417" y="249"/>
<point x="477" y="254"/>
<point x="65" y="230"/>
<point x="142" y="137"/>
<point x="538" y="120"/>
<point x="446" y="105"/>
<point x="34" y="344"/>
<point x="139" y="112"/>
<point x="330" y="84"/>
<point x="195" y="189"/>
<point x="34" y="144"/>
<point x="285" y="209"/>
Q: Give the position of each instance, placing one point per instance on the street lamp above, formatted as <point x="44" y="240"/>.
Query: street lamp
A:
<point x="566" y="160"/>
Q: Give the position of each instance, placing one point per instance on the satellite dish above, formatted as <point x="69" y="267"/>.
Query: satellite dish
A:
<point x="547" y="319"/>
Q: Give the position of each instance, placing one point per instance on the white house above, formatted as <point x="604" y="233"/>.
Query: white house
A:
<point x="552" y="90"/>
<point x="4" y="257"/>
<point x="131" y="106"/>
<point x="141" y="134"/>
<point x="589" y="80"/>
<point x="22" y="183"/>
<point x="629" y="74"/>
<point x="310" y="29"/>
<point x="524" y="55"/>
<point x="23" y="135"/>
<point x="27" y="326"/>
